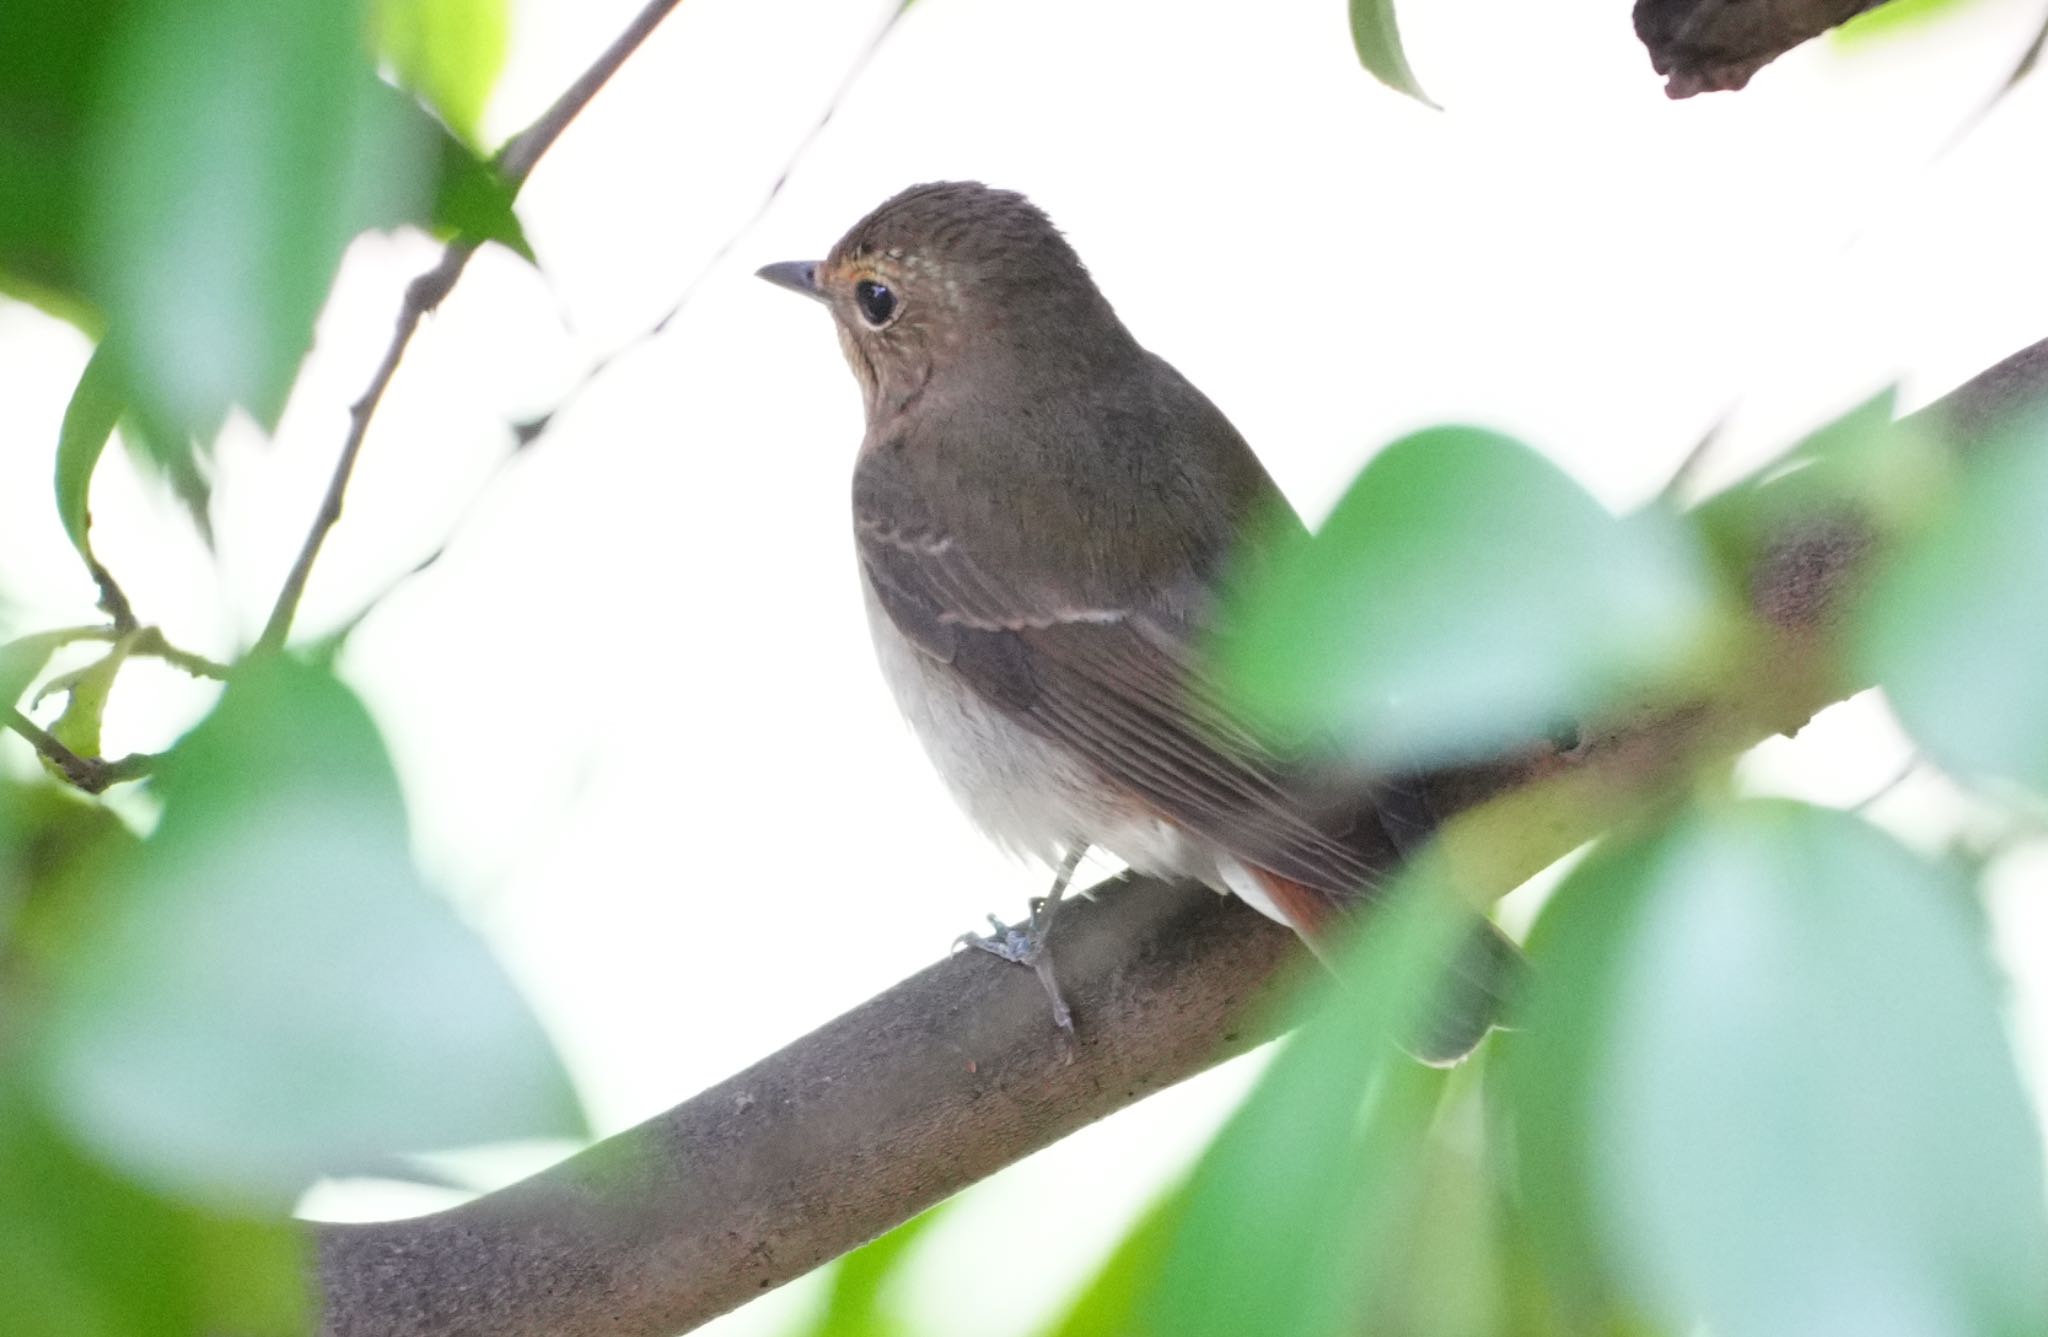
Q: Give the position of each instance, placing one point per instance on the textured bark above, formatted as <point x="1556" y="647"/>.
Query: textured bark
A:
<point x="956" y="1072"/>
<point x="1710" y="46"/>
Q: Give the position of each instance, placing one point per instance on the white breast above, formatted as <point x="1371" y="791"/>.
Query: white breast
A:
<point x="1027" y="794"/>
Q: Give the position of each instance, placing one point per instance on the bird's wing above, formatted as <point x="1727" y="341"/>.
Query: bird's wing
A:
<point x="1116" y="680"/>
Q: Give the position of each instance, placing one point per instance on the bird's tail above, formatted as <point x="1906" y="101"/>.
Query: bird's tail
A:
<point x="1477" y="987"/>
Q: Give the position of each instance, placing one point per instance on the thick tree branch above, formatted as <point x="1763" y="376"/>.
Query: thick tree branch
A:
<point x="956" y="1072"/>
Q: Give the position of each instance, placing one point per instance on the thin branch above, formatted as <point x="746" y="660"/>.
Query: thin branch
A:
<point x="515" y="162"/>
<point x="528" y="432"/>
<point x="91" y="774"/>
<point x="422" y="295"/>
<point x="956" y="1072"/>
<point x="151" y="643"/>
<point x="113" y="599"/>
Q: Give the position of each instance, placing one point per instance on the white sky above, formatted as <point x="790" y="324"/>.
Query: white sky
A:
<point x="635" y="707"/>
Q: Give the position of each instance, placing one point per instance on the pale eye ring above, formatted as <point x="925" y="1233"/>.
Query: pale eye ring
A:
<point x="876" y="303"/>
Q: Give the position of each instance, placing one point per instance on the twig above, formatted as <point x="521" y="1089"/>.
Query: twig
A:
<point x="1674" y="489"/>
<point x="113" y="599"/>
<point x="528" y="432"/>
<point x="515" y="162"/>
<point x="91" y="774"/>
<point x="421" y="296"/>
<point x="150" y="642"/>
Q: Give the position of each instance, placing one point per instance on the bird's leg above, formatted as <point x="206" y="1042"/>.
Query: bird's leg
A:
<point x="1027" y="946"/>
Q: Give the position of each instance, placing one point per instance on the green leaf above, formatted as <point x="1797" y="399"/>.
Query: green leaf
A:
<point x="1956" y="627"/>
<point x="267" y="992"/>
<point x="22" y="661"/>
<point x="472" y="200"/>
<point x="96" y="405"/>
<point x="450" y="52"/>
<point x="1296" y="1201"/>
<point x="1377" y="39"/>
<point x="1866" y="468"/>
<point x="1897" y="18"/>
<point x="49" y="56"/>
<point x="48" y="833"/>
<point x="1465" y="595"/>
<point x="858" y="1303"/>
<point x="1769" y="1067"/>
<point x="84" y="1253"/>
<point x="1111" y="1303"/>
<point x="85" y="701"/>
<point x="217" y="227"/>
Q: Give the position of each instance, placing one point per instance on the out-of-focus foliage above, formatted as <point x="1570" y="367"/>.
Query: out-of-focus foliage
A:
<point x="1765" y="1083"/>
<point x="860" y="1299"/>
<point x="1897" y="18"/>
<point x="449" y="52"/>
<point x="1377" y="39"/>
<point x="1111" y="1304"/>
<point x="85" y="1253"/>
<point x="1958" y="632"/>
<point x="1762" y="1084"/>
<point x="89" y="420"/>
<point x="199" y="1021"/>
<point x="185" y="176"/>
<point x="1308" y="1180"/>
<point x="1463" y="596"/>
<point x="263" y="992"/>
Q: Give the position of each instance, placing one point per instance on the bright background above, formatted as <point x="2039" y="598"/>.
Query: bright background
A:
<point x="634" y="706"/>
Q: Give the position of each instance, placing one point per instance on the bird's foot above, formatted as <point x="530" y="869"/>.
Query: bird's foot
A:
<point x="1025" y="945"/>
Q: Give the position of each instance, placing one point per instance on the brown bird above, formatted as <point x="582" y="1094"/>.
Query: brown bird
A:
<point x="1045" y="514"/>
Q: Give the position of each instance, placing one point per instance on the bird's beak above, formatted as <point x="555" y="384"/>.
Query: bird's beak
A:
<point x="795" y="275"/>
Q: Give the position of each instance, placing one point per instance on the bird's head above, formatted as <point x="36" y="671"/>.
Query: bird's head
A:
<point x="953" y="277"/>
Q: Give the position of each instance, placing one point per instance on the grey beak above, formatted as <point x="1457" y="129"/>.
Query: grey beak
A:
<point x="795" y="275"/>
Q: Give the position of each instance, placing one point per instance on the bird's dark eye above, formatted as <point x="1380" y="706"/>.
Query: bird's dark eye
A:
<point x="875" y="301"/>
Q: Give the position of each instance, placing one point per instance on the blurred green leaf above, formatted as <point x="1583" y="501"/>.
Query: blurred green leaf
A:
<point x="141" y="191"/>
<point x="1377" y="39"/>
<point x="1867" y="467"/>
<point x="238" y="147"/>
<point x="1956" y="628"/>
<point x="84" y="1253"/>
<point x="1290" y="1210"/>
<point x="22" y="661"/>
<point x="267" y="992"/>
<point x="1464" y="595"/>
<point x="1444" y="1273"/>
<point x="472" y="200"/>
<point x="174" y="458"/>
<point x="1111" y="1304"/>
<point x="49" y="52"/>
<point x="1897" y="18"/>
<point x="85" y="701"/>
<point x="450" y="52"/>
<point x="1766" y="1079"/>
<point x="1576" y="950"/>
<point x="96" y="405"/>
<point x="47" y="832"/>
<point x="857" y="1304"/>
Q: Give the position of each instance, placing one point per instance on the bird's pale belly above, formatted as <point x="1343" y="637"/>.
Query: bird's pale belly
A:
<point x="1026" y="794"/>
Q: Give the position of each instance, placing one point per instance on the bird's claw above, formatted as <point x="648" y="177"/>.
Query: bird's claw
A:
<point x="1024" y="945"/>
